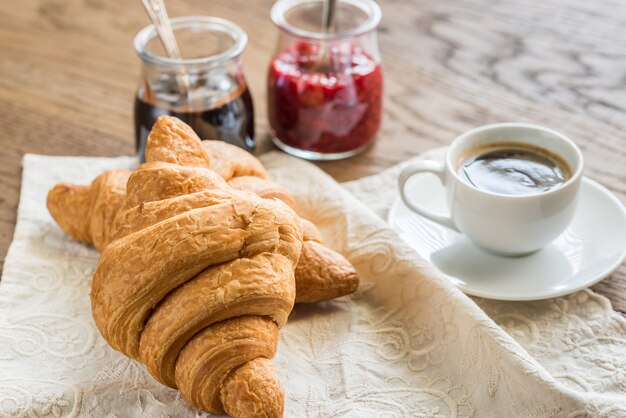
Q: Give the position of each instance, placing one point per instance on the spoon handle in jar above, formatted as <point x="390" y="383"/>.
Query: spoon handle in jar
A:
<point x="158" y="15"/>
<point x="329" y="14"/>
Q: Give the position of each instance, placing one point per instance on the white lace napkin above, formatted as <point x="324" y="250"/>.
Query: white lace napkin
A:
<point x="407" y="344"/>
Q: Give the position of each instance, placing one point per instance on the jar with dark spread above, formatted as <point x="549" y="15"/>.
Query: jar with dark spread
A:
<point x="325" y="88"/>
<point x="206" y="88"/>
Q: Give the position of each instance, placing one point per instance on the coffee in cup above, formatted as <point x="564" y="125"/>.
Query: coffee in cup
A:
<point x="511" y="188"/>
<point x="513" y="168"/>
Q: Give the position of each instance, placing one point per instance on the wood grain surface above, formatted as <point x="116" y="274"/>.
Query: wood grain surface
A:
<point x="68" y="74"/>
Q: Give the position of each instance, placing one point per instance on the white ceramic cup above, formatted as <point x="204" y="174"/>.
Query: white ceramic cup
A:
<point x="511" y="225"/>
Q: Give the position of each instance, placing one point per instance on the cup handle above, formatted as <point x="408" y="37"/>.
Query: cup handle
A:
<point x="424" y="167"/>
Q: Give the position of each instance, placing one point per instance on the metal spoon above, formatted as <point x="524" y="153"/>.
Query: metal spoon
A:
<point x="158" y="14"/>
<point x="328" y="15"/>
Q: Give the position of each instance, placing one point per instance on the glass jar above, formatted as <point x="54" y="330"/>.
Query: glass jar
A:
<point x="206" y="88"/>
<point x="325" y="88"/>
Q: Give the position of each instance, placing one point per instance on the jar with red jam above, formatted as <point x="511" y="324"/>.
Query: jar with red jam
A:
<point x="325" y="86"/>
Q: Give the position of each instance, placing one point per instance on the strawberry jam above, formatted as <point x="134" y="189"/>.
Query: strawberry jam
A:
<point x="329" y="108"/>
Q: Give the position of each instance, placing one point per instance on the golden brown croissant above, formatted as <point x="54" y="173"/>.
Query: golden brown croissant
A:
<point x="321" y="273"/>
<point x="197" y="277"/>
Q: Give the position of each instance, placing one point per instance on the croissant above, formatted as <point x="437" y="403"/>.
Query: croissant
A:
<point x="196" y="277"/>
<point x="83" y="212"/>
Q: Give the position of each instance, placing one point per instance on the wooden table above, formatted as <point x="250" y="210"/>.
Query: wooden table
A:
<point x="68" y="74"/>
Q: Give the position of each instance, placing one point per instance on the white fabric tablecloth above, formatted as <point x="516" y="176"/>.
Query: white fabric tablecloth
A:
<point x="407" y="344"/>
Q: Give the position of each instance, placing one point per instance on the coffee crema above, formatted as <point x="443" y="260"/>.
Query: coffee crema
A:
<point x="513" y="169"/>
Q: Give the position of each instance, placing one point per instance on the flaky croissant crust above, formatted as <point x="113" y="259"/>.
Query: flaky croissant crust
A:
<point x="197" y="269"/>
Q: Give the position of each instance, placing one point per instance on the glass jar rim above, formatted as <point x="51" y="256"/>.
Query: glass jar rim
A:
<point x="370" y="7"/>
<point x="146" y="34"/>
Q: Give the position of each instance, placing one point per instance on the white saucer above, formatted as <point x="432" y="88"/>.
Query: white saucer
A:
<point x="590" y="249"/>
